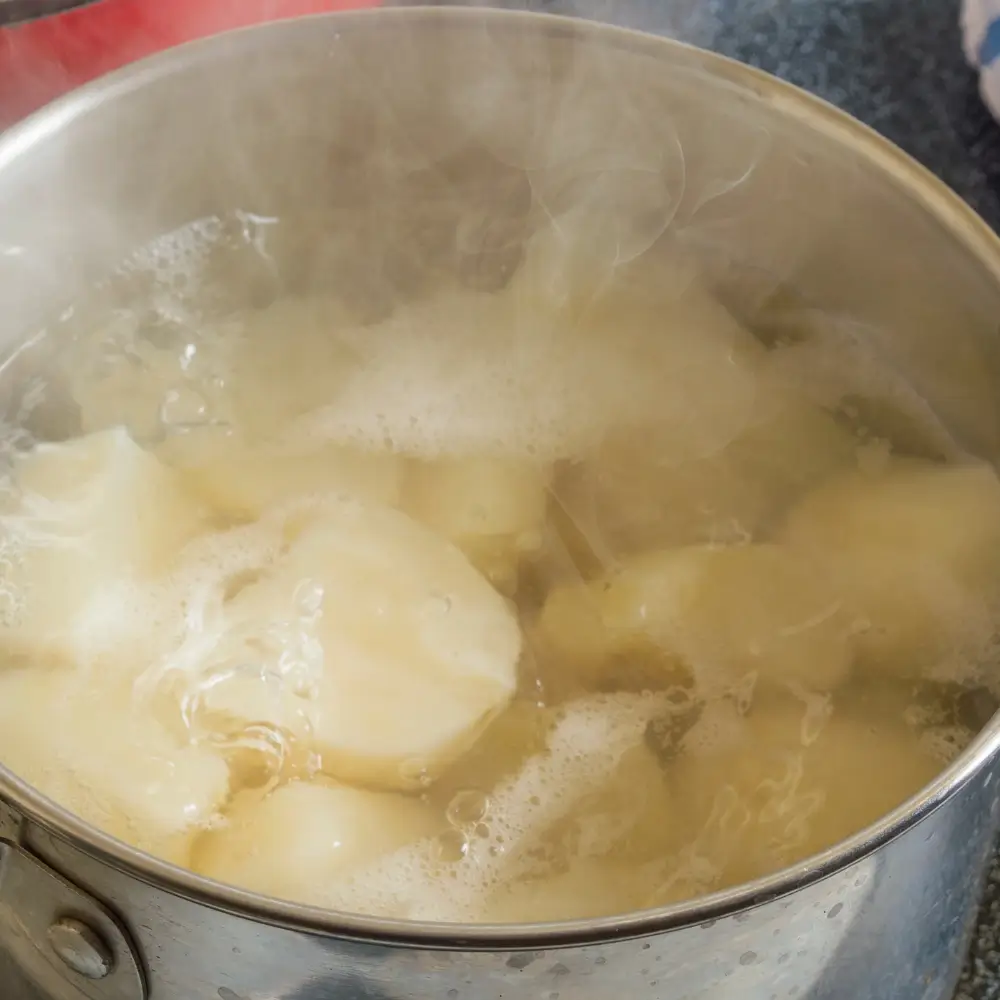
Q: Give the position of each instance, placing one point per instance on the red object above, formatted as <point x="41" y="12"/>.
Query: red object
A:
<point x="42" y="59"/>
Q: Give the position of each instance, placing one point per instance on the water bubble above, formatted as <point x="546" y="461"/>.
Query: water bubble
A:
<point x="415" y="773"/>
<point x="467" y="806"/>
<point x="308" y="597"/>
<point x="183" y="407"/>
<point x="452" y="846"/>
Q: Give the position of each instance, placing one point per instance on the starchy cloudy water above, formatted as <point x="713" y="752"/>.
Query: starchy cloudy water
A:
<point x="515" y="605"/>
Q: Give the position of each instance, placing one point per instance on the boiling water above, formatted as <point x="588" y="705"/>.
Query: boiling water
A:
<point x="527" y="604"/>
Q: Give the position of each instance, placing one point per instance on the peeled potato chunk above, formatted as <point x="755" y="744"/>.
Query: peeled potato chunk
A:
<point x="787" y="780"/>
<point x="505" y="834"/>
<point x="148" y="389"/>
<point x="85" y="744"/>
<point x="914" y="547"/>
<point x="244" y="482"/>
<point x="725" y="612"/>
<point x="88" y="518"/>
<point x="492" y="508"/>
<point x="253" y="373"/>
<point x="639" y="489"/>
<point x="294" y="842"/>
<point x="289" y="358"/>
<point x="374" y="640"/>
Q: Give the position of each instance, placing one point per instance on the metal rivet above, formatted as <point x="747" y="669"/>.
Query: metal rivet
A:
<point x="81" y="948"/>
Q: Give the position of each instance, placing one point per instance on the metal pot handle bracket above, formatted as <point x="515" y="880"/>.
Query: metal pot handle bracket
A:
<point x="54" y="931"/>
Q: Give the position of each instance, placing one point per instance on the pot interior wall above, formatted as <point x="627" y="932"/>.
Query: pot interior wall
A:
<point x="373" y="156"/>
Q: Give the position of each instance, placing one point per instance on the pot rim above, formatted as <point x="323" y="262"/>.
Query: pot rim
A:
<point x="920" y="185"/>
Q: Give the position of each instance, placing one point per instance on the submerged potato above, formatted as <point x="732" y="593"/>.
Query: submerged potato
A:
<point x="913" y="548"/>
<point x="288" y="359"/>
<point x="147" y="388"/>
<point x="637" y="491"/>
<point x="294" y="842"/>
<point x="103" y="756"/>
<point x="666" y="325"/>
<point x="724" y="612"/>
<point x="89" y="518"/>
<point x="244" y="482"/>
<point x="492" y="508"/>
<point x="374" y="641"/>
<point x="786" y="781"/>
<point x="253" y="373"/>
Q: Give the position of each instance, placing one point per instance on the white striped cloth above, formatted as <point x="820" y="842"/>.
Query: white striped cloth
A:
<point x="981" y="40"/>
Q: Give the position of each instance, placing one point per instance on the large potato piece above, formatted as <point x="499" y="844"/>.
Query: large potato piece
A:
<point x="90" y="519"/>
<point x="491" y="508"/>
<point x="767" y="789"/>
<point x="374" y="640"/>
<point x="150" y="389"/>
<point x="253" y="373"/>
<point x="288" y="359"/>
<point x="296" y="841"/>
<point x="243" y="482"/>
<point x="638" y="490"/>
<point x="723" y="612"/>
<point x="913" y="547"/>
<point x="88" y="745"/>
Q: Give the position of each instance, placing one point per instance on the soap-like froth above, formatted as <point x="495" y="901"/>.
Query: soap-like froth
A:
<point x="186" y="607"/>
<point x="463" y="373"/>
<point x="584" y="749"/>
<point x="475" y="373"/>
<point x="521" y="371"/>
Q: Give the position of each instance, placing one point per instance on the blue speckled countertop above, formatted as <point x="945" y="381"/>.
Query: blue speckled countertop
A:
<point x="895" y="64"/>
<point x="898" y="66"/>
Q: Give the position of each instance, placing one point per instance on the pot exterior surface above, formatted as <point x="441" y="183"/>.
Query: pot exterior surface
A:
<point x="892" y="926"/>
<point x="323" y="138"/>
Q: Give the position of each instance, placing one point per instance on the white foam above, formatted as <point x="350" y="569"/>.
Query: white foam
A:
<point x="511" y="372"/>
<point x="188" y="605"/>
<point x="132" y="629"/>
<point x="514" y="373"/>
<point x="175" y="258"/>
<point x="945" y="743"/>
<point x="719" y="727"/>
<point x="464" y="373"/>
<point x="583" y="750"/>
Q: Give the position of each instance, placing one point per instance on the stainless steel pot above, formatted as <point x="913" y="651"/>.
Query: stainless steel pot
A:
<point x="773" y="190"/>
